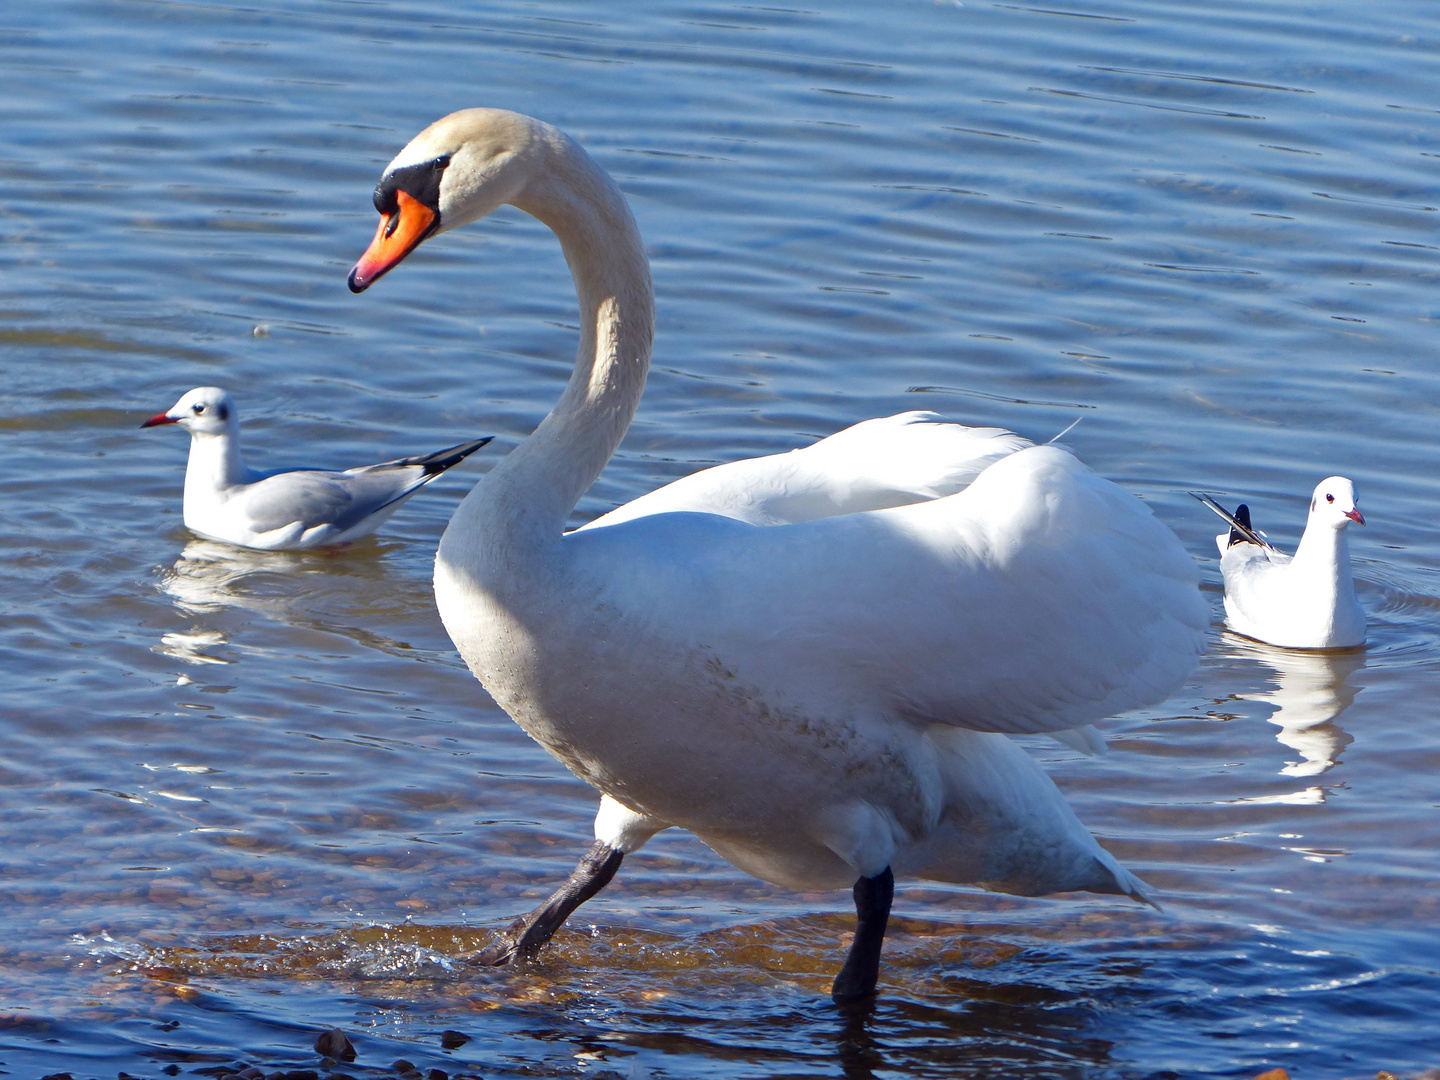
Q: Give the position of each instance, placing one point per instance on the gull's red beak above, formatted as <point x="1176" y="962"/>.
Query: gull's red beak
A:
<point x="161" y="418"/>
<point x="399" y="234"/>
<point x="1355" y="515"/>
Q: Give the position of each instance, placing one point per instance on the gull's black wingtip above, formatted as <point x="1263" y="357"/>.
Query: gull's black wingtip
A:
<point x="441" y="460"/>
<point x="1241" y="531"/>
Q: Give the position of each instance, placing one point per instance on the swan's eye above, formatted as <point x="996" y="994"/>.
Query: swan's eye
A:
<point x="1329" y="498"/>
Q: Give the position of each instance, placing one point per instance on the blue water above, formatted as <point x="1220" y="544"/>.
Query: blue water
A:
<point x="244" y="796"/>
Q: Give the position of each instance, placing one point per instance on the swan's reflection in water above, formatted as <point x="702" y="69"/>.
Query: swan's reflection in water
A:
<point x="1311" y="690"/>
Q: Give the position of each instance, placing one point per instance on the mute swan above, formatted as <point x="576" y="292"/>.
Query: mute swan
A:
<point x="290" y="508"/>
<point x="824" y="702"/>
<point x="1304" y="601"/>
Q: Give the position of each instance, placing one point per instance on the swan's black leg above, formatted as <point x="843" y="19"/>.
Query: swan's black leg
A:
<point x="862" y="967"/>
<point x="527" y="934"/>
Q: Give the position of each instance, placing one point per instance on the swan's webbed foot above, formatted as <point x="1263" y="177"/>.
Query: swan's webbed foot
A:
<point x="526" y="935"/>
<point x="861" y="972"/>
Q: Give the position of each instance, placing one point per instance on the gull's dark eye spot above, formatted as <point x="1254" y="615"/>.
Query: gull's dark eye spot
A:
<point x="198" y="408"/>
<point x="1329" y="498"/>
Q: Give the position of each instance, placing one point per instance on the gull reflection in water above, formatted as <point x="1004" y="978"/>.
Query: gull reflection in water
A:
<point x="1311" y="690"/>
<point x="210" y="577"/>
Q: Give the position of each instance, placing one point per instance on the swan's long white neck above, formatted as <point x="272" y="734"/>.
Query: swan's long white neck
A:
<point x="527" y="498"/>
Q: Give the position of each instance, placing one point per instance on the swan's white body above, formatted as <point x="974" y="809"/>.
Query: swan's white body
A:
<point x="288" y="509"/>
<point x="812" y="663"/>
<point x="1304" y="601"/>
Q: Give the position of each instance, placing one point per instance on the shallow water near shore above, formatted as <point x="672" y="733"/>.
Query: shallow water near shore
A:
<point x="247" y="796"/>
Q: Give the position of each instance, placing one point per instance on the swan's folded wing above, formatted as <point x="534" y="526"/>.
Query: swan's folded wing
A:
<point x="1040" y="598"/>
<point x="889" y="461"/>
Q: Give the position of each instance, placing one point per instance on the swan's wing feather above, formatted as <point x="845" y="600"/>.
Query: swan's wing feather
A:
<point x="1040" y="598"/>
<point x="1086" y="739"/>
<point x="888" y="461"/>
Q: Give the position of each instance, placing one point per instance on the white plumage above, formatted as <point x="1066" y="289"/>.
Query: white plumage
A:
<point x="287" y="508"/>
<point x="810" y="660"/>
<point x="875" y="464"/>
<point x="1304" y="601"/>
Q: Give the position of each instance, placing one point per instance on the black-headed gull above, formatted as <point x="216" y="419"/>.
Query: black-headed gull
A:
<point x="1304" y="601"/>
<point x="289" y="508"/>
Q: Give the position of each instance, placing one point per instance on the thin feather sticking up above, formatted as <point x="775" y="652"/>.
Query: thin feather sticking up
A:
<point x="1235" y="523"/>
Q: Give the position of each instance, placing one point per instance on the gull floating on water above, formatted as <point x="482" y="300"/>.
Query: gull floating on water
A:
<point x="1304" y="601"/>
<point x="289" y="508"/>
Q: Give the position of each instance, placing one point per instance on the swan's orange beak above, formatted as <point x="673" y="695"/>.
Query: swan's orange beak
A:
<point x="399" y="234"/>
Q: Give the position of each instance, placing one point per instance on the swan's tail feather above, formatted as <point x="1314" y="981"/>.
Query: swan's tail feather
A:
<point x="1240" y="529"/>
<point x="1127" y="884"/>
<point x="1085" y="739"/>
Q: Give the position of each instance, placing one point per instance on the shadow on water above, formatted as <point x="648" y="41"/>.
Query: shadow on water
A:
<point x="1059" y="989"/>
<point x="749" y="1000"/>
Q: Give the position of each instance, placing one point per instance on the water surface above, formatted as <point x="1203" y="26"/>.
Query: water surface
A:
<point x="246" y="796"/>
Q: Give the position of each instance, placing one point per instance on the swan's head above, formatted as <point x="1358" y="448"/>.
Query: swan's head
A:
<point x="1333" y="503"/>
<point x="206" y="410"/>
<point x="457" y="170"/>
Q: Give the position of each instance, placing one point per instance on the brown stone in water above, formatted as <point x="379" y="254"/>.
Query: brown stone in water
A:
<point x="335" y="1044"/>
<point x="400" y="1065"/>
<point x="1274" y="1074"/>
<point x="453" y="1040"/>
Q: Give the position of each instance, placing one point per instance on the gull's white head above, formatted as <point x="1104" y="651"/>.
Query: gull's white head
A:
<point x="206" y="410"/>
<point x="456" y="171"/>
<point x="1333" y="503"/>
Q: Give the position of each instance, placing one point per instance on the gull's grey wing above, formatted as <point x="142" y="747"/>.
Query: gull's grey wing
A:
<point x="377" y="486"/>
<point x="304" y="495"/>
<point x="344" y="499"/>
